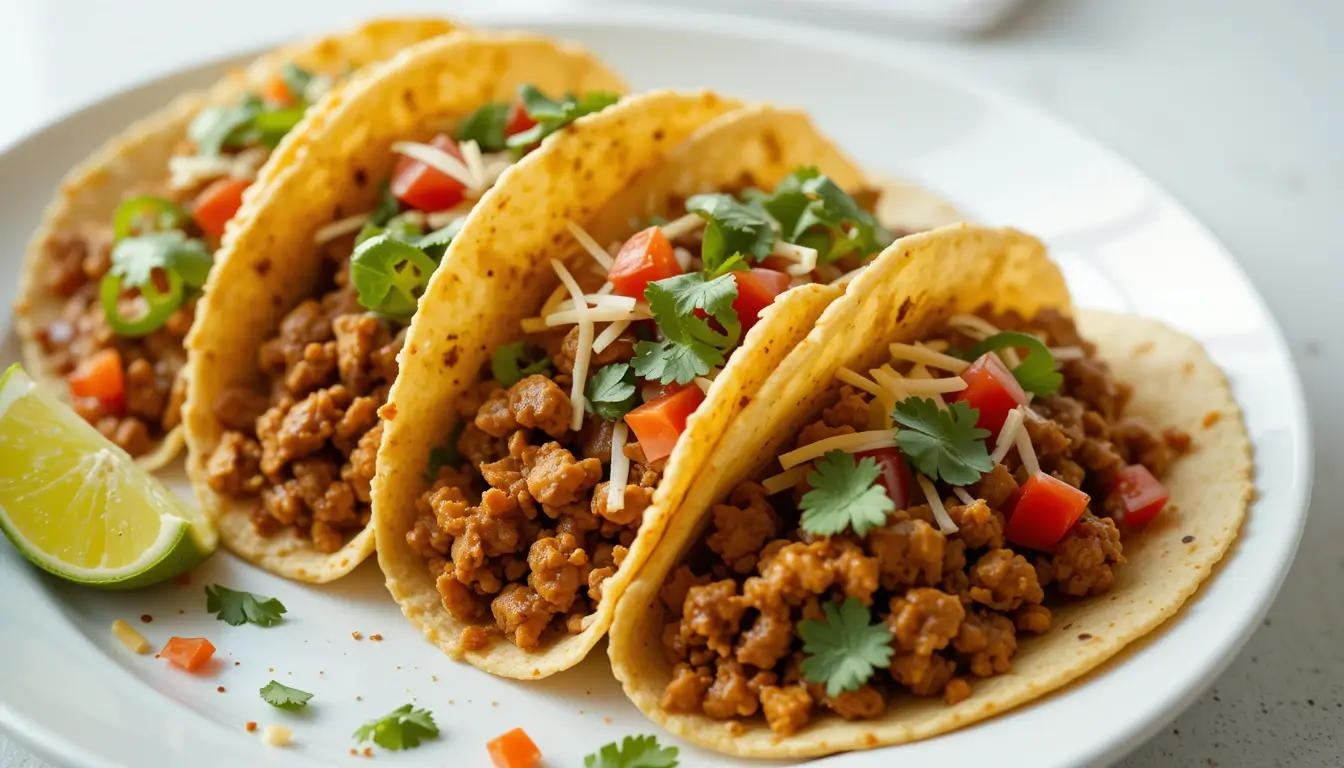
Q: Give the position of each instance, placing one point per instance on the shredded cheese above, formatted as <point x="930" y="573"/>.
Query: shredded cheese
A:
<point x="858" y="381"/>
<point x="495" y="164"/>
<point x="441" y="219"/>
<point x="930" y="387"/>
<point x="534" y="325"/>
<point x="684" y="258"/>
<point x="605" y="300"/>
<point x="583" y="354"/>
<point x="471" y="154"/>
<point x="848" y="277"/>
<point x="1027" y="452"/>
<point x="317" y="87"/>
<point x="276" y="736"/>
<point x="921" y="372"/>
<point x="590" y="245"/>
<point x="806" y="258"/>
<point x="703" y="383"/>
<point x="1007" y="435"/>
<point x="977" y="328"/>
<point x="681" y="227"/>
<point x="553" y="301"/>
<point x="940" y="515"/>
<point x="1009" y="357"/>
<point x="340" y="228"/>
<point x="620" y="468"/>
<point x="593" y="314"/>
<point x="609" y="334"/>
<point x="855" y="442"/>
<point x="1067" y="353"/>
<point x="928" y="357"/>
<point x="964" y="495"/>
<point x="890" y="381"/>
<point x="606" y="289"/>
<point x="440" y="161"/>
<point x="786" y="479"/>
<point x="127" y="636"/>
<point x="188" y="171"/>
<point x="937" y="345"/>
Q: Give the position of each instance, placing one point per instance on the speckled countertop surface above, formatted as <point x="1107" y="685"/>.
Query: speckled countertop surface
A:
<point x="1233" y="105"/>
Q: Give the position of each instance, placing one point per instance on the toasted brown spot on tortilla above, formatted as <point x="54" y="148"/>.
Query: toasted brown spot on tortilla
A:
<point x="1144" y="348"/>
<point x="262" y="267"/>
<point x="1187" y="539"/>
<point x="1085" y="636"/>
<point x="1211" y="418"/>
<point x="450" y="357"/>
<point x="906" y="306"/>
<point x="361" y="177"/>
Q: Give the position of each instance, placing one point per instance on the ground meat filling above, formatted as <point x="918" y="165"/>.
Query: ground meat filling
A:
<point x="523" y="534"/>
<point x="956" y="605"/>
<point x="301" y="446"/>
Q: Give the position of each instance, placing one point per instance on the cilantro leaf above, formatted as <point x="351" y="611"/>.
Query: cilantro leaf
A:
<point x="215" y="128"/>
<point x="436" y="243"/>
<point x="943" y="444"/>
<point x="297" y="80"/>
<point x="844" y="649"/>
<point x="270" y="126"/>
<point x="733" y="231"/>
<point x="551" y="116"/>
<point x="402" y="728"/>
<point x="1037" y="372"/>
<point x="390" y="274"/>
<point x="845" y="494"/>
<point x="238" y="608"/>
<point x="611" y="391"/>
<point x="816" y="213"/>
<point x="633" y="752"/>
<point x="282" y="696"/>
<point x="134" y="259"/>
<point x="486" y="126"/>
<point x="690" y="346"/>
<point x="511" y="363"/>
<point x="443" y="455"/>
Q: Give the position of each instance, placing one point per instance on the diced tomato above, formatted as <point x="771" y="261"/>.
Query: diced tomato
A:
<point x="778" y="263"/>
<point x="756" y="290"/>
<point x="1138" y="494"/>
<point x="276" y="91"/>
<point x="425" y="188"/>
<point x="658" y="423"/>
<point x="189" y="653"/>
<point x="895" y="475"/>
<point x="519" y="120"/>
<point x="645" y="258"/>
<point x="1042" y="511"/>
<point x="992" y="390"/>
<point x="218" y="203"/>
<point x="102" y="378"/>
<point x="514" y="750"/>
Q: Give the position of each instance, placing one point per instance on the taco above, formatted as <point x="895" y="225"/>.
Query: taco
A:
<point x="112" y="275"/>
<point x="602" y="318"/>
<point x="300" y="327"/>
<point x="954" y="496"/>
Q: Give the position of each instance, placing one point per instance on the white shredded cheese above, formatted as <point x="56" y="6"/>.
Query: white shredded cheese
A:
<point x="620" y="467"/>
<point x="930" y="387"/>
<point x="276" y="736"/>
<point x="937" y="345"/>
<point x="594" y="314"/>
<point x="922" y="372"/>
<point x="604" y="300"/>
<point x="684" y="258"/>
<point x="1009" y="357"/>
<point x="340" y="228"/>
<point x="440" y="161"/>
<point x="890" y="381"/>
<point x="441" y="219"/>
<point x="188" y="171"/>
<point x="964" y="495"/>
<point x="609" y="334"/>
<point x="127" y="636"/>
<point x="681" y="227"/>
<point x="606" y="289"/>
<point x="976" y="327"/>
<point x="928" y="357"/>
<point x="317" y="87"/>
<point x="590" y="245"/>
<point x="553" y="301"/>
<point x="703" y="383"/>
<point x="855" y="442"/>
<point x="583" y="353"/>
<point x="806" y="258"/>
<point x="1007" y="435"/>
<point x="859" y="382"/>
<point x="495" y="164"/>
<point x="1067" y="353"/>
<point x="940" y="515"/>
<point x="786" y="479"/>
<point x="1027" y="452"/>
<point x="471" y="154"/>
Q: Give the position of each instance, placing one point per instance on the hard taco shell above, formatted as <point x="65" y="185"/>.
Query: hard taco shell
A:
<point x="138" y="157"/>
<point x="269" y="262"/>
<point x="908" y="292"/>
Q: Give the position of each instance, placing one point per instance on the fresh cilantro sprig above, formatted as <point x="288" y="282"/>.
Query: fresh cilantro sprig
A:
<point x="486" y="126"/>
<point x="843" y="649"/>
<point x="215" y="129"/>
<point x="734" y="232"/>
<point x="551" y="115"/>
<point x="814" y="212"/>
<point x="690" y="346"/>
<point x="513" y="362"/>
<point x="943" y="444"/>
<point x="1037" y="372"/>
<point x="633" y="752"/>
<point x="611" y="392"/>
<point x="845" y="494"/>
<point x="403" y="728"/>
<point x="134" y="259"/>
<point x="390" y="274"/>
<point x="238" y="608"/>
<point x="280" y="695"/>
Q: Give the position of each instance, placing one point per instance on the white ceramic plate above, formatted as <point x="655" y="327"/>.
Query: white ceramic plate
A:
<point x="70" y="691"/>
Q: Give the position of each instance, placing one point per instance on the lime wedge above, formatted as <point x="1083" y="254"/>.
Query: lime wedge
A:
<point x="78" y="506"/>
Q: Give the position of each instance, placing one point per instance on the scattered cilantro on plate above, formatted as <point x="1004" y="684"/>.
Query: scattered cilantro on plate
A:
<point x="845" y="494"/>
<point x="280" y="695"/>
<point x="238" y="608"/>
<point x="633" y="752"/>
<point x="844" y="649"/>
<point x="403" y="728"/>
<point x="943" y="444"/>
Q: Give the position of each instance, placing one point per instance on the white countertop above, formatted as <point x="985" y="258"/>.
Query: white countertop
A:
<point x="1233" y="105"/>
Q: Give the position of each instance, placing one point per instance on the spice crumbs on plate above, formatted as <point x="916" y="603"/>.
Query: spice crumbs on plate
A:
<point x="494" y="703"/>
<point x="359" y="698"/>
<point x="607" y="720"/>
<point x="270" y="669"/>
<point x="368" y="751"/>
<point x="237" y="663"/>
<point x="354" y="752"/>
<point x="251" y="726"/>
<point x="146" y="618"/>
<point x="433" y="678"/>
<point x="356" y="635"/>
<point x="220" y="689"/>
<point x="320" y="672"/>
<point x="376" y="638"/>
